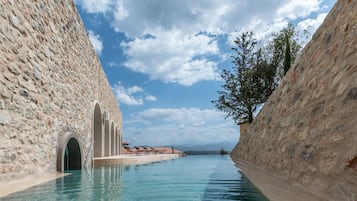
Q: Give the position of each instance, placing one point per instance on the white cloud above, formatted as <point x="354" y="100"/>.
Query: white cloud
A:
<point x="95" y="6"/>
<point x="299" y="8"/>
<point x="176" y="50"/>
<point x="131" y="95"/>
<point x="173" y="56"/>
<point x="120" y="12"/>
<point x="134" y="89"/>
<point x="165" y="126"/>
<point x="310" y="25"/>
<point x="96" y="42"/>
<point x="137" y="18"/>
<point x="150" y="98"/>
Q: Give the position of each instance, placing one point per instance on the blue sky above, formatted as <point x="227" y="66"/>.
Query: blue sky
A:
<point x="163" y="59"/>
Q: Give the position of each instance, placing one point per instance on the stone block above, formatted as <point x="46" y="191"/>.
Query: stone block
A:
<point x="14" y="20"/>
<point x="2" y="104"/>
<point x="5" y="118"/>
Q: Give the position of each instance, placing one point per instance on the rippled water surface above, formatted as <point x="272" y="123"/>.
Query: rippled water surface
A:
<point x="206" y="177"/>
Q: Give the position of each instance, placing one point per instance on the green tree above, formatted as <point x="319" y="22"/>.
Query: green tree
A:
<point x="243" y="87"/>
<point x="287" y="56"/>
<point x="256" y="73"/>
<point x="283" y="49"/>
<point x="266" y="73"/>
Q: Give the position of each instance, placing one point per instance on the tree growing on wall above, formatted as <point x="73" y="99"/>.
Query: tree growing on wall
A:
<point x="283" y="49"/>
<point x="243" y="88"/>
<point x="256" y="73"/>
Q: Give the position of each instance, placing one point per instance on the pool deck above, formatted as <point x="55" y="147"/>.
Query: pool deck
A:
<point x="274" y="187"/>
<point x="134" y="159"/>
<point x="9" y="187"/>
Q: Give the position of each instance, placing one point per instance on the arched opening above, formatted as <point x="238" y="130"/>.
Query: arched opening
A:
<point x="112" y="143"/>
<point x="72" y="156"/>
<point x="69" y="153"/>
<point x="106" y="138"/>
<point x="97" y="123"/>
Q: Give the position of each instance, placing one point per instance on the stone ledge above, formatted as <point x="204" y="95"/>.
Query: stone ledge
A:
<point x="7" y="188"/>
<point x="134" y="159"/>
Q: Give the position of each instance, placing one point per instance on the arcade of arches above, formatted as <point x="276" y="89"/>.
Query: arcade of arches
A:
<point x="107" y="140"/>
<point x="107" y="137"/>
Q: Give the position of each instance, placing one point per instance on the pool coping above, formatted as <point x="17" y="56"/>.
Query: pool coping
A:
<point x="28" y="182"/>
<point x="130" y="159"/>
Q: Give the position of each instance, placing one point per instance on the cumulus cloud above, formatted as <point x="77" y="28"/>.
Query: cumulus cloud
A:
<point x="95" y="6"/>
<point x="137" y="18"/>
<point x="96" y="42"/>
<point x="164" y="126"/>
<point x="310" y="25"/>
<point x="174" y="41"/>
<point x="173" y="56"/>
<point x="131" y="95"/>
<point x="181" y="115"/>
<point x="298" y="8"/>
<point x="150" y="98"/>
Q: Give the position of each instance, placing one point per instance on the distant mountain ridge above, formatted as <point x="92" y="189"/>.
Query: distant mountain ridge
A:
<point x="228" y="146"/>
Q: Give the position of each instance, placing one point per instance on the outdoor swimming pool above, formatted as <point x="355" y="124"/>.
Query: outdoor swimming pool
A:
<point x="202" y="177"/>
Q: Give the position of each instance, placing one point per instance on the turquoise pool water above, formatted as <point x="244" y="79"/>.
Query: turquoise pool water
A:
<point x="192" y="178"/>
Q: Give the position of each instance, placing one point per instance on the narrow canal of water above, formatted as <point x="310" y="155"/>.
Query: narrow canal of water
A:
<point x="201" y="178"/>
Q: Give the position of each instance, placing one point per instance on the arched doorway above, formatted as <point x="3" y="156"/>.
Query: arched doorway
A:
<point x="69" y="155"/>
<point x="98" y="137"/>
<point x="72" y="156"/>
<point x="112" y="139"/>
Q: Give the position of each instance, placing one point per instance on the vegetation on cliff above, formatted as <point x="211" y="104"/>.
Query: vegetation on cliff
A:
<point x="256" y="72"/>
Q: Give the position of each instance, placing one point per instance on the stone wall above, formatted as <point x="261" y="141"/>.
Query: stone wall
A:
<point x="50" y="81"/>
<point x="307" y="130"/>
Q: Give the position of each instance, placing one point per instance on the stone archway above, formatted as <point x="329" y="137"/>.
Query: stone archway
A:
<point x="112" y="137"/>
<point x="97" y="131"/>
<point x="69" y="155"/>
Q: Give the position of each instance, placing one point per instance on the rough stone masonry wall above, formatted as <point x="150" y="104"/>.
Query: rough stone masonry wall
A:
<point x="307" y="130"/>
<point x="50" y="79"/>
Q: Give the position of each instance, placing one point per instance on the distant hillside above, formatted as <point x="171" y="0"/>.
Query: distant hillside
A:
<point x="228" y="146"/>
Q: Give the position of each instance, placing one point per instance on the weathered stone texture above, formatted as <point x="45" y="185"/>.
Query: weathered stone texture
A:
<point x="307" y="130"/>
<point x="50" y="80"/>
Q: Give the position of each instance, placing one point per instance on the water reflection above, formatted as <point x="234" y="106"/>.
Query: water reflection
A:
<point x="102" y="183"/>
<point x="203" y="178"/>
<point x="227" y="183"/>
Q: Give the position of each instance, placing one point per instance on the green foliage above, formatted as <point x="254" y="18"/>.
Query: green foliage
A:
<point x="283" y="49"/>
<point x="256" y="73"/>
<point x="287" y="57"/>
<point x="223" y="152"/>
<point x="243" y="88"/>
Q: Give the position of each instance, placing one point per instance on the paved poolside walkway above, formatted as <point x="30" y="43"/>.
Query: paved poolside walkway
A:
<point x="134" y="159"/>
<point x="7" y="188"/>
